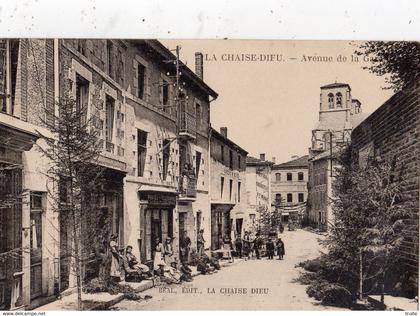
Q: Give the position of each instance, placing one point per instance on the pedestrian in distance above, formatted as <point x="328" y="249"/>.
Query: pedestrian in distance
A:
<point x="280" y="249"/>
<point x="184" y="247"/>
<point x="200" y="243"/>
<point x="269" y="246"/>
<point x="246" y="243"/>
<point x="257" y="245"/>
<point x="238" y="245"/>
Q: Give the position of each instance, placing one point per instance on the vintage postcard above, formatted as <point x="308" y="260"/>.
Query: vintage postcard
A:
<point x="145" y="174"/>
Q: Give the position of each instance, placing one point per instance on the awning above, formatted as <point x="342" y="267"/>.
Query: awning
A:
<point x="156" y="189"/>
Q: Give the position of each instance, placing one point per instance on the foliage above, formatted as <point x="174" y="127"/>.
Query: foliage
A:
<point x="98" y="285"/>
<point x="368" y="216"/>
<point x="73" y="153"/>
<point x="398" y="61"/>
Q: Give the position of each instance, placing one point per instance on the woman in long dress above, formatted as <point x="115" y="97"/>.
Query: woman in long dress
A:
<point x="168" y="252"/>
<point x="115" y="257"/>
<point x="158" y="257"/>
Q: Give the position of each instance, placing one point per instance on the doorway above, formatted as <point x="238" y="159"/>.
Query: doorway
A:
<point x="36" y="244"/>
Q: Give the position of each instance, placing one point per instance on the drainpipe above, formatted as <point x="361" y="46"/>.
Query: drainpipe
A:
<point x="209" y="182"/>
<point x="57" y="281"/>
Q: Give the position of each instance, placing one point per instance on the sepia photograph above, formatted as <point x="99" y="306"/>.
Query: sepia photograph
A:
<point x="145" y="174"/>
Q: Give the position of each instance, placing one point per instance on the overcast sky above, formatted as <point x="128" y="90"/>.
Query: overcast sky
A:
<point x="271" y="107"/>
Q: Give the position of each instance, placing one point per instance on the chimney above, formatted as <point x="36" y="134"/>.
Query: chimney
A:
<point x="262" y="157"/>
<point x="273" y="160"/>
<point x="223" y="131"/>
<point x="199" y="64"/>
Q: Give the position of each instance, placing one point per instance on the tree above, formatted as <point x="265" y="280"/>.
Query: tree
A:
<point x="73" y="153"/>
<point x="368" y="218"/>
<point x="366" y="233"/>
<point x="398" y="61"/>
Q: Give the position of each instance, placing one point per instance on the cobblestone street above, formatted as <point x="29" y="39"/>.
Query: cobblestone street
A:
<point x="272" y="281"/>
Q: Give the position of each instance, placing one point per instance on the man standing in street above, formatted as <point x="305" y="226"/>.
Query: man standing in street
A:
<point x="280" y="249"/>
<point x="184" y="247"/>
<point x="257" y="245"/>
<point x="238" y="246"/>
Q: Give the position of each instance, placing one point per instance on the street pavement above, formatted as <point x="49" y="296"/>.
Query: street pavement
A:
<point x="253" y="284"/>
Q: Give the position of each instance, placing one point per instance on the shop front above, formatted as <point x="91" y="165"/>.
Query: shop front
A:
<point x="156" y="219"/>
<point x="221" y="224"/>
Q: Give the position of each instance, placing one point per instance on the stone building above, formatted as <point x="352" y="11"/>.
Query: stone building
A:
<point x="28" y="222"/>
<point x="339" y="113"/>
<point x="392" y="131"/>
<point x="155" y="154"/>
<point x="289" y="187"/>
<point x="227" y="187"/>
<point x="258" y="189"/>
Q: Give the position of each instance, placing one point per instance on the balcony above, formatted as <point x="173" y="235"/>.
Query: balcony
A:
<point x="188" y="188"/>
<point x="187" y="125"/>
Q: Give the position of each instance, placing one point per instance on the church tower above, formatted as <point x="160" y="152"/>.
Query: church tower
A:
<point x="335" y="116"/>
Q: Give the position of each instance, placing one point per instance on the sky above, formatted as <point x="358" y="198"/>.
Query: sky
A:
<point x="272" y="106"/>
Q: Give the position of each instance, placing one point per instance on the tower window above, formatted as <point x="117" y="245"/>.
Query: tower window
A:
<point x="339" y="101"/>
<point x="330" y="100"/>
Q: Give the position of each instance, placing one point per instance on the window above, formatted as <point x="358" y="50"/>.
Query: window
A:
<point x="289" y="176"/>
<point x="222" y="153"/>
<point x="239" y="191"/>
<point x="300" y="176"/>
<point x="109" y="122"/>
<point x="278" y="198"/>
<point x="81" y="46"/>
<point x="165" y="92"/>
<point x="230" y="189"/>
<point x="141" y="78"/>
<point x="278" y="177"/>
<point x="109" y="51"/>
<point x="339" y="100"/>
<point x="198" y="115"/>
<point x="82" y="97"/>
<point x="9" y="57"/>
<point x="330" y="100"/>
<point x="230" y="159"/>
<point x="141" y="152"/>
<point x="197" y="163"/>
<point x="222" y="184"/>
<point x="301" y="197"/>
<point x="239" y="162"/>
<point x="165" y="155"/>
<point x="289" y="197"/>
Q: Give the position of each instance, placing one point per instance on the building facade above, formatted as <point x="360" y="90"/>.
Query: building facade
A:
<point x="227" y="187"/>
<point x="289" y="188"/>
<point x="29" y="225"/>
<point x="153" y="119"/>
<point x="339" y="113"/>
<point x="258" y="189"/>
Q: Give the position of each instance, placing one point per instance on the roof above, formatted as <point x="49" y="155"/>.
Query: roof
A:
<point x="301" y="162"/>
<point x="252" y="161"/>
<point x="327" y="154"/>
<point x="227" y="141"/>
<point x="166" y="54"/>
<point x="335" y="85"/>
<point x="356" y="119"/>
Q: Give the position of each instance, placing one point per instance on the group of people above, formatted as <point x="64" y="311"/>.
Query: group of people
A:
<point x="124" y="264"/>
<point x="247" y="245"/>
